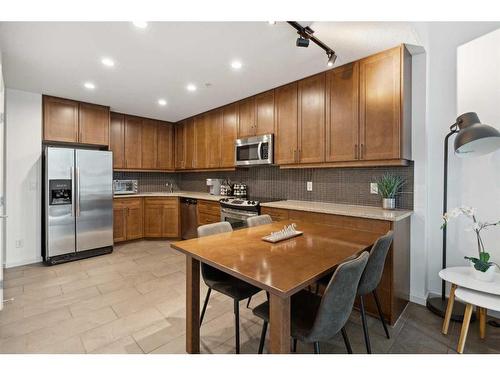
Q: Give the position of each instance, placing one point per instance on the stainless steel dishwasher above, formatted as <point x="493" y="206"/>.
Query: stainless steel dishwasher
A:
<point x="189" y="218"/>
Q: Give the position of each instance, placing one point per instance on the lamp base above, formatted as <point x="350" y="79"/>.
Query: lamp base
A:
<point x="438" y="306"/>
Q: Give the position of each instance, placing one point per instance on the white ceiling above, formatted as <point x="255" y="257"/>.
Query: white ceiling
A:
<point x="159" y="61"/>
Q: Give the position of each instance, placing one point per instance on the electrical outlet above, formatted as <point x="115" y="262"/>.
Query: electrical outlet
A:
<point x="373" y="188"/>
<point x="19" y="243"/>
<point x="309" y="186"/>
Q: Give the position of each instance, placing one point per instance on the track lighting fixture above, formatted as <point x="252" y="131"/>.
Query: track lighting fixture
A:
<point x="306" y="35"/>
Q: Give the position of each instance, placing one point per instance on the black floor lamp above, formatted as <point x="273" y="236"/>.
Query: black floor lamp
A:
<point x="473" y="139"/>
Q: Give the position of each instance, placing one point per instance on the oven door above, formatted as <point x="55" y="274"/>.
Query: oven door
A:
<point x="254" y="150"/>
<point x="237" y="218"/>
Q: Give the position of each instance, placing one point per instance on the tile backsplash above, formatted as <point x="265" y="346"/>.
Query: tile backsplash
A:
<point x="337" y="185"/>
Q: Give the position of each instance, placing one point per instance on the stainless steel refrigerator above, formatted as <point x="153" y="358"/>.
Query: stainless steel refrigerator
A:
<point x="78" y="203"/>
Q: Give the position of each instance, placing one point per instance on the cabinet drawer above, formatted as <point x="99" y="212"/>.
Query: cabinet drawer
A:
<point x="127" y="202"/>
<point x="277" y="214"/>
<point x="167" y="201"/>
<point x="205" y="218"/>
<point x="209" y="207"/>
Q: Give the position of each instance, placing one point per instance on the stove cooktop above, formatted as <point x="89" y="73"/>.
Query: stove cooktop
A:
<point x="244" y="202"/>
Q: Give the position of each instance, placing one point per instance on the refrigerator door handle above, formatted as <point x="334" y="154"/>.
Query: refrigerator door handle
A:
<point x="73" y="192"/>
<point x="77" y="195"/>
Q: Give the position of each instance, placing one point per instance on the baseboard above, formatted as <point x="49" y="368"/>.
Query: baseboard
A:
<point x="420" y="300"/>
<point x="23" y="262"/>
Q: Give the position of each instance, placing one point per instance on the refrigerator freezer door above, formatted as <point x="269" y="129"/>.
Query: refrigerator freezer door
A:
<point x="94" y="199"/>
<point x="59" y="220"/>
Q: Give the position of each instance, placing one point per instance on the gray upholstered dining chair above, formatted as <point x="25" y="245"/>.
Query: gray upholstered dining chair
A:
<point x="370" y="281"/>
<point x="255" y="221"/>
<point x="314" y="318"/>
<point x="222" y="282"/>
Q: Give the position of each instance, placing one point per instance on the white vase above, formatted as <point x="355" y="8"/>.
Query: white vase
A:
<point x="487" y="276"/>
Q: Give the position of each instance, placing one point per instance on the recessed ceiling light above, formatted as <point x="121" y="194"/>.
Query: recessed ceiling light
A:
<point x="162" y="102"/>
<point x="236" y="64"/>
<point x="271" y="22"/>
<point x="140" y="24"/>
<point x="107" y="62"/>
<point x="191" y="87"/>
<point x="89" y="85"/>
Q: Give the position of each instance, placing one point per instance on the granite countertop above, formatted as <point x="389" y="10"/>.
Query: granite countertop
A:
<point x="368" y="212"/>
<point x="183" y="194"/>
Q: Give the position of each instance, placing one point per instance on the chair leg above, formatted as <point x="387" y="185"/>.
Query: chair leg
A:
<point x="237" y="325"/>
<point x="262" y="337"/>
<point x="465" y="328"/>
<point x="365" y="325"/>
<point x="317" y="349"/>
<point x="377" y="302"/>
<point x="294" y="345"/>
<point x="346" y="340"/>
<point x="205" y="305"/>
<point x="248" y="302"/>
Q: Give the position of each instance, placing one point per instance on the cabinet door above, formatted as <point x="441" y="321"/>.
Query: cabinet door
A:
<point x="200" y="136"/>
<point x="135" y="223"/>
<point x="190" y="144"/>
<point x="286" y="124"/>
<point x="312" y="119"/>
<point x="380" y="102"/>
<point x="229" y="133"/>
<point x="119" y="223"/>
<point x="165" y="146"/>
<point x="152" y="219"/>
<point x="180" y="145"/>
<point x="60" y="120"/>
<point x="264" y="112"/>
<point x="94" y="124"/>
<point x="149" y="145"/>
<point x="170" y="218"/>
<point x="342" y="130"/>
<point x="247" y="126"/>
<point x="117" y="140"/>
<point x="214" y="128"/>
<point x="133" y="142"/>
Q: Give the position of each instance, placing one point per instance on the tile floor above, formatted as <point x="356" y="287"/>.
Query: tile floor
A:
<point x="132" y="301"/>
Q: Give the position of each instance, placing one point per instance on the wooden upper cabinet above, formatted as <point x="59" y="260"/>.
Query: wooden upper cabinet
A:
<point x="200" y="136"/>
<point x="380" y="105"/>
<point x="286" y="109"/>
<point x="213" y="135"/>
<point x="229" y="134"/>
<point x="133" y="142"/>
<point x="247" y="126"/>
<point x="180" y="145"/>
<point x="342" y="124"/>
<point x="149" y="146"/>
<point x="60" y="120"/>
<point x="93" y="124"/>
<point x="117" y="140"/>
<point x="190" y="144"/>
<point x="311" y="119"/>
<point x="165" y="158"/>
<point x="264" y="113"/>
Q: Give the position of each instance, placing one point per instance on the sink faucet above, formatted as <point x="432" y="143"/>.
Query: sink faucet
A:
<point x="170" y="186"/>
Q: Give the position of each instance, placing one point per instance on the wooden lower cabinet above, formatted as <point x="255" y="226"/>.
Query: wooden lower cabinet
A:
<point x="394" y="287"/>
<point x="135" y="218"/>
<point x="208" y="212"/>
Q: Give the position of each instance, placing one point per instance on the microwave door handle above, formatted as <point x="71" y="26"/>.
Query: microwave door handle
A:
<point x="259" y="150"/>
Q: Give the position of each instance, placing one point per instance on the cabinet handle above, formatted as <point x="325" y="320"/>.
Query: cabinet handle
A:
<point x="355" y="151"/>
<point x="361" y="151"/>
<point x="298" y="155"/>
<point x="294" y="155"/>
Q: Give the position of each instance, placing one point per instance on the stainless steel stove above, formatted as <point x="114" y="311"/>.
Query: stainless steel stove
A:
<point x="236" y="211"/>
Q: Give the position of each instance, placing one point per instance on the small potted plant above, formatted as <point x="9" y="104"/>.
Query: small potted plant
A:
<point x="483" y="269"/>
<point x="388" y="187"/>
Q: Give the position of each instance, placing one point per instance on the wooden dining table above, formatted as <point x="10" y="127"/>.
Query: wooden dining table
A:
<point x="281" y="269"/>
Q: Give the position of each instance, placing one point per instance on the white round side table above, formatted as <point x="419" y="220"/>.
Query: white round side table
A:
<point x="483" y="302"/>
<point x="462" y="277"/>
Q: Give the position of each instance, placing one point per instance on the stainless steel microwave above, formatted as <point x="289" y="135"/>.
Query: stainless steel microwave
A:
<point x="254" y="150"/>
<point x="121" y="187"/>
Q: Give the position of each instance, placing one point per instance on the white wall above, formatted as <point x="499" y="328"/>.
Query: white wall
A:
<point x="23" y="175"/>
<point x="478" y="179"/>
<point x="440" y="40"/>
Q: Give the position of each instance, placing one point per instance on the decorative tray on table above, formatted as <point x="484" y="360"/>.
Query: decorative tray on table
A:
<point x="289" y="231"/>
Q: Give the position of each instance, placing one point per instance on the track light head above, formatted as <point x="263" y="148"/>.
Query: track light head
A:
<point x="302" y="42"/>
<point x="332" y="57"/>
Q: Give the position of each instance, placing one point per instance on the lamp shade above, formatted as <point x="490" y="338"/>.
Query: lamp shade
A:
<point x="474" y="138"/>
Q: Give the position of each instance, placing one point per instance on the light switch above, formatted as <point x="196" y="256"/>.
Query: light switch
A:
<point x="309" y="186"/>
<point x="373" y="188"/>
